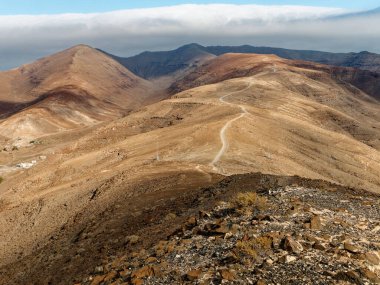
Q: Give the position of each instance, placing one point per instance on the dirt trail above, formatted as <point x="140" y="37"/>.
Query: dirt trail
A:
<point x="223" y="131"/>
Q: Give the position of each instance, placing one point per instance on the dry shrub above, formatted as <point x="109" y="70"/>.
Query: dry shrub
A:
<point x="248" y="248"/>
<point x="250" y="199"/>
<point x="255" y="247"/>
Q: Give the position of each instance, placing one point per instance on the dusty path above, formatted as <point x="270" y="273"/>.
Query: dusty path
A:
<point x="222" y="133"/>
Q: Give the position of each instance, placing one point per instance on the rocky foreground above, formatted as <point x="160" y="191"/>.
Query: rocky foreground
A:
<point x="272" y="232"/>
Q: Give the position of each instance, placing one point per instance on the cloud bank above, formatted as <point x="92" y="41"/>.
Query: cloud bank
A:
<point x="24" y="37"/>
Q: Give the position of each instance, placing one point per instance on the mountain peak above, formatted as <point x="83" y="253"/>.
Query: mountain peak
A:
<point x="192" y="46"/>
<point x="81" y="47"/>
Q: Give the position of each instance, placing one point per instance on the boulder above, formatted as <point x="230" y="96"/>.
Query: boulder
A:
<point x="291" y="245"/>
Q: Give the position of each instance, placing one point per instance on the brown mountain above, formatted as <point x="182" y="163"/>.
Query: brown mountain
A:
<point x="235" y="65"/>
<point x="91" y="190"/>
<point x="76" y="87"/>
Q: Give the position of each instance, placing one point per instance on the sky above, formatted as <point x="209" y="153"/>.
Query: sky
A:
<point x="30" y="29"/>
<point x="91" y="6"/>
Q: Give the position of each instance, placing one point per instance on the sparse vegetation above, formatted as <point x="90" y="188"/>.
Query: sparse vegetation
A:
<point x="250" y="199"/>
<point x="14" y="148"/>
<point x="1" y="179"/>
<point x="254" y="247"/>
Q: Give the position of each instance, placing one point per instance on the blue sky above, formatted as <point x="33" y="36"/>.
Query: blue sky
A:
<point x="12" y="7"/>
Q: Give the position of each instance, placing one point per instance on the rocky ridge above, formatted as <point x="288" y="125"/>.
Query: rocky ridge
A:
<point x="269" y="232"/>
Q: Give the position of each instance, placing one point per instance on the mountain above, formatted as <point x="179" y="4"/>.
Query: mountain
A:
<point x="156" y="64"/>
<point x="363" y="60"/>
<point x="100" y="200"/>
<point x="76" y="87"/>
<point x="229" y="66"/>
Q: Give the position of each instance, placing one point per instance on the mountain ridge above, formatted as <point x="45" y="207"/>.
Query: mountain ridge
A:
<point x="73" y="201"/>
<point x="168" y="65"/>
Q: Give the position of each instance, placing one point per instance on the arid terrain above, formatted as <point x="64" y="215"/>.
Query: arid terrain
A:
<point x="97" y="162"/>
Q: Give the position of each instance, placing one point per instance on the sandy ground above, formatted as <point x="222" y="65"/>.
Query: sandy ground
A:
<point x="276" y="122"/>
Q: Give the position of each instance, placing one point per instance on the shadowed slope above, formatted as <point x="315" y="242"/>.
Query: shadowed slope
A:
<point x="156" y="64"/>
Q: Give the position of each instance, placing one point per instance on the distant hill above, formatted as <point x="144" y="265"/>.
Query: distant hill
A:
<point x="161" y="63"/>
<point x="78" y="86"/>
<point x="156" y="64"/>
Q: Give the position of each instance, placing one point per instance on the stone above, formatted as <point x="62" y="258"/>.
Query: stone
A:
<point x="371" y="276"/>
<point x="151" y="259"/>
<point x="291" y="245"/>
<point x="212" y="229"/>
<point x="228" y="235"/>
<point x="261" y="282"/>
<point x="376" y="229"/>
<point x="350" y="247"/>
<point x="170" y="216"/>
<point x="362" y="226"/>
<point x="351" y="276"/>
<point x="311" y="238"/>
<point x="193" y="275"/>
<point x="372" y="258"/>
<point x="315" y="223"/>
<point x="146" y="271"/>
<point x="98" y="279"/>
<point x="230" y="258"/>
<point x="320" y="246"/>
<point x="287" y="259"/>
<point x="191" y="223"/>
<point x="110" y="276"/>
<point x="125" y="273"/>
<point x="99" y="269"/>
<point x="204" y="215"/>
<point x="269" y="262"/>
<point x="228" y="274"/>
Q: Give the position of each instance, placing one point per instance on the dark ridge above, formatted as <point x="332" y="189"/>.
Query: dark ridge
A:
<point x="65" y="93"/>
<point x="155" y="64"/>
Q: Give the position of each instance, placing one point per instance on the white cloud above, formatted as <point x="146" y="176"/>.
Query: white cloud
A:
<point x="25" y="37"/>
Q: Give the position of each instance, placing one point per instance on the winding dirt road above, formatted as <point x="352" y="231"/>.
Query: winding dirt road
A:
<point x="222" y="133"/>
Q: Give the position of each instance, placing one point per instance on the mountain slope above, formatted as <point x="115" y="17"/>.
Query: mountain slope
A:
<point x="239" y="65"/>
<point x="256" y="229"/>
<point x="363" y="60"/>
<point x="79" y="86"/>
<point x="240" y="113"/>
<point x="156" y="64"/>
